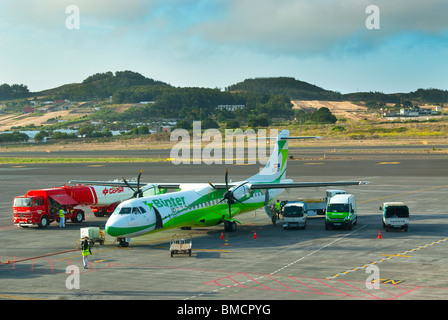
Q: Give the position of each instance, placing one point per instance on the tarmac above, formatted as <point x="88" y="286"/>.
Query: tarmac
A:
<point x="257" y="262"/>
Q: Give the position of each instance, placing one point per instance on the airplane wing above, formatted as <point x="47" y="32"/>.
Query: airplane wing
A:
<point x="122" y="184"/>
<point x="287" y="185"/>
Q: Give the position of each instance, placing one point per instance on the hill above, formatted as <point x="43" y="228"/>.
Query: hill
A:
<point x="289" y="87"/>
<point x="100" y="86"/>
<point x="300" y="90"/>
<point x="264" y="101"/>
<point x="131" y="87"/>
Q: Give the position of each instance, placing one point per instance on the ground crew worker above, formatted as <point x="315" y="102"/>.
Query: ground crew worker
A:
<point x="278" y="208"/>
<point x="86" y="252"/>
<point x="62" y="213"/>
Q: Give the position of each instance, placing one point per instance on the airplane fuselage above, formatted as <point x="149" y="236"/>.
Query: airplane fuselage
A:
<point x="197" y="205"/>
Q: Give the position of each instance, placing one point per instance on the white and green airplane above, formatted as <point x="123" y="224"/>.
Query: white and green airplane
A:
<point x="203" y="204"/>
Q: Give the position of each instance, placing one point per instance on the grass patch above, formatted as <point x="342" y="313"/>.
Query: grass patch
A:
<point x="21" y="160"/>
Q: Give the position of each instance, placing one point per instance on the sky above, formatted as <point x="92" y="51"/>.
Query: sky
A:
<point x="341" y="45"/>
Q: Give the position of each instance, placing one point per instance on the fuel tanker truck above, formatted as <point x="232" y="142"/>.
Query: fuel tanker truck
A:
<point x="41" y="207"/>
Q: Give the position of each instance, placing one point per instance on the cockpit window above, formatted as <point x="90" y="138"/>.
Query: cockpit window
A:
<point x="125" y="210"/>
<point x="142" y="210"/>
<point x="136" y="210"/>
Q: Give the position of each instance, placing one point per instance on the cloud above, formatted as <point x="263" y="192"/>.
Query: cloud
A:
<point x="298" y="27"/>
<point x="199" y="40"/>
<point x="289" y="27"/>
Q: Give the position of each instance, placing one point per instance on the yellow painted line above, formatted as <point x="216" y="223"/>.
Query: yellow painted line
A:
<point x="381" y="163"/>
<point x="95" y="165"/>
<point x="395" y="255"/>
<point x="193" y="249"/>
<point x="211" y="250"/>
<point x="313" y="163"/>
<point x="15" y="297"/>
<point x="95" y="252"/>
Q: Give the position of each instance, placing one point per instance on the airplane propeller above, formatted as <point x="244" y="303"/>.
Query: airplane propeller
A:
<point x="137" y="193"/>
<point x="228" y="195"/>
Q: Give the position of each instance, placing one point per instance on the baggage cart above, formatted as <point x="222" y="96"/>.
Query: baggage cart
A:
<point x="94" y="234"/>
<point x="180" y="244"/>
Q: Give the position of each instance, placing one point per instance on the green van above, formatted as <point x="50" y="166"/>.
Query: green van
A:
<point x="341" y="212"/>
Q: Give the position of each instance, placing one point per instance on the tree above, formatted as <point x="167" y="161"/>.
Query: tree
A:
<point x="323" y="115"/>
<point x="40" y="136"/>
<point x="14" y="137"/>
<point x="13" y="92"/>
<point x="232" y="124"/>
<point x="86" y="130"/>
<point x="184" y="124"/>
<point x="261" y="120"/>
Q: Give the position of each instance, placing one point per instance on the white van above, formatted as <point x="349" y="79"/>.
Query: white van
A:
<point x="330" y="193"/>
<point x="341" y="212"/>
<point x="295" y="214"/>
<point x="395" y="216"/>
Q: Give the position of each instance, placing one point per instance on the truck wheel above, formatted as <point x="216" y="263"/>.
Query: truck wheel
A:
<point x="44" y="222"/>
<point x="79" y="216"/>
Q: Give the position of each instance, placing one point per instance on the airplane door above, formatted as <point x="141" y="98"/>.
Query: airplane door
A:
<point x="148" y="217"/>
<point x="159" y="221"/>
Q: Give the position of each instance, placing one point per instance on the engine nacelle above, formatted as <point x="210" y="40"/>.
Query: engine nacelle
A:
<point x="240" y="191"/>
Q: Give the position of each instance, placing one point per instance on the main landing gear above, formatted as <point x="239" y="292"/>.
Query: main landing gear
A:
<point x="230" y="226"/>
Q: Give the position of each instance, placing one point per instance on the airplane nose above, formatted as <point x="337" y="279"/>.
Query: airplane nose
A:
<point x="114" y="226"/>
<point x="112" y="231"/>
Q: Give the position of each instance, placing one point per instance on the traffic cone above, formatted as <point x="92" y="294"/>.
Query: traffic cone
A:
<point x="379" y="235"/>
<point x="222" y="235"/>
<point x="255" y="234"/>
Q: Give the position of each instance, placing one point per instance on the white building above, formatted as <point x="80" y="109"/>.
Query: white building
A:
<point x="230" y="107"/>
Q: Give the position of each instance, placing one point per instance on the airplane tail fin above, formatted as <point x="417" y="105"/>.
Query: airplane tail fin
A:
<point x="275" y="169"/>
